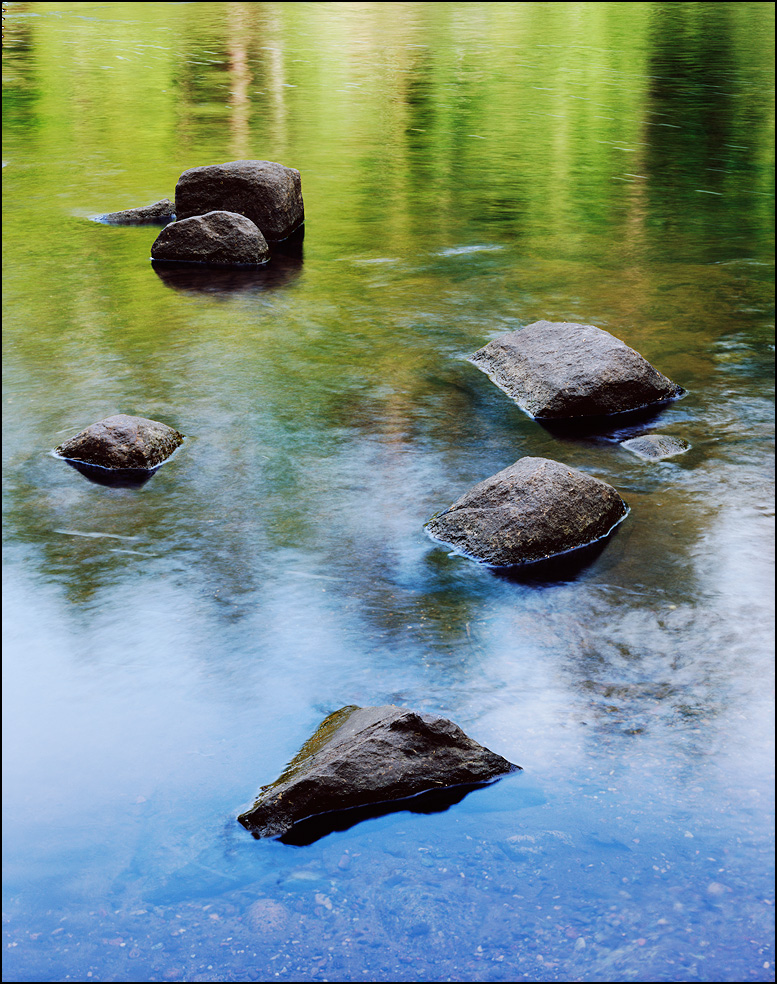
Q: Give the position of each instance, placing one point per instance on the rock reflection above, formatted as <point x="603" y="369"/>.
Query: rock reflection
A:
<point x="434" y="801"/>
<point x="118" y="478"/>
<point x="563" y="567"/>
<point x="283" y="269"/>
<point x="607" y="428"/>
<point x="238" y="34"/>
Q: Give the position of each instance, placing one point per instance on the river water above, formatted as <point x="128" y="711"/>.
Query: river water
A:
<point x="467" y="168"/>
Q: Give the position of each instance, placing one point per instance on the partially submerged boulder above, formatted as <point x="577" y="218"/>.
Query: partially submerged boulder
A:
<point x="122" y="442"/>
<point x="269" y="194"/>
<point x="365" y="756"/>
<point x="535" y="509"/>
<point x="559" y="369"/>
<point x="655" y="447"/>
<point x="220" y="238"/>
<point x="160" y="213"/>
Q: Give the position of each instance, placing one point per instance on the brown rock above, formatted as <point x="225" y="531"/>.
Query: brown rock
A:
<point x="160" y="213"/>
<point x="122" y="442"/>
<point x="363" y="756"/>
<point x="535" y="509"/>
<point x="269" y="194"/>
<point x="559" y="369"/>
<point x="222" y="238"/>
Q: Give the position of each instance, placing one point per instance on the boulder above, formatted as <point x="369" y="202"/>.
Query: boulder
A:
<point x="535" y="509"/>
<point x="269" y="194"/>
<point x="122" y="442"/>
<point x="221" y="238"/>
<point x="160" y="213"/>
<point x="370" y="756"/>
<point x="559" y="369"/>
<point x="655" y="447"/>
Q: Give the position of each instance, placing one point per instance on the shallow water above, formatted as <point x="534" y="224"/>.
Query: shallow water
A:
<point x="467" y="169"/>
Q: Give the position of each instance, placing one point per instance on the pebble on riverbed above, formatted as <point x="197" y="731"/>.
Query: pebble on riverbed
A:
<point x="655" y="447"/>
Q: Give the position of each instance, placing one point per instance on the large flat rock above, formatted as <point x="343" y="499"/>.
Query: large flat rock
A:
<point x="122" y="442"/>
<point x="535" y="509"/>
<point x="218" y="238"/>
<point x="560" y="369"/>
<point x="364" y="756"/>
<point x="267" y="193"/>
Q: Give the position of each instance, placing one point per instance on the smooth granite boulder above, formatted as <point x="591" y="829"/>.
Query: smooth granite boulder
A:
<point x="656" y="447"/>
<point x="558" y="369"/>
<point x="269" y="194"/>
<point x="219" y="238"/>
<point x="160" y="213"/>
<point x="535" y="509"/>
<point x="122" y="442"/>
<point x="368" y="756"/>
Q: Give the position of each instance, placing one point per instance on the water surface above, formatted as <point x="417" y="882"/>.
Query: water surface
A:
<point x="467" y="169"/>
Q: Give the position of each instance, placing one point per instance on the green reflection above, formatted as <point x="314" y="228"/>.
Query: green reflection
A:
<point x="467" y="168"/>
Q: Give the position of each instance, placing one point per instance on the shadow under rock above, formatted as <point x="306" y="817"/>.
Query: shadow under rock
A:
<point x="283" y="267"/>
<point x="559" y="569"/>
<point x="605" y="429"/>
<point x="434" y="801"/>
<point x="119" y="478"/>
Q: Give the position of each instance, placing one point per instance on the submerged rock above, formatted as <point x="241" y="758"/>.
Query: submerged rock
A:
<point x="364" y="756"/>
<point x="122" y="442"/>
<point x="221" y="238"/>
<point x="559" y="369"/>
<point x="535" y="509"/>
<point x="269" y="194"/>
<point x="160" y="213"/>
<point x="654" y="447"/>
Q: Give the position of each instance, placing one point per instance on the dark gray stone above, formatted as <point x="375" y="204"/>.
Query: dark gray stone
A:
<point x="221" y="238"/>
<point x="122" y="442"/>
<point x="160" y="213"/>
<point x="535" y="509"/>
<point x="269" y="194"/>
<point x="654" y="447"/>
<point x="364" y="756"/>
<point x="559" y="369"/>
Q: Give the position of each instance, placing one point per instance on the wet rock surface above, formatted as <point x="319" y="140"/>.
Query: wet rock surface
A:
<point x="363" y="756"/>
<point x="560" y="369"/>
<point x="269" y="194"/>
<point x="160" y="213"/>
<point x="220" y="238"/>
<point x="122" y="442"/>
<point x="535" y="509"/>
<point x="655" y="447"/>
